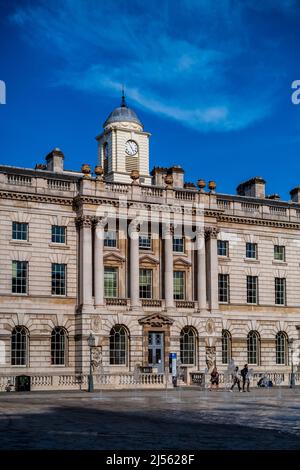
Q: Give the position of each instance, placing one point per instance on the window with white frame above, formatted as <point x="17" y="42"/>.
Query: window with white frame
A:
<point x="118" y="345"/>
<point x="110" y="282"/>
<point x="110" y="238"/>
<point x="226" y="347"/>
<point x="223" y="288"/>
<point x="19" y="346"/>
<point x="253" y="348"/>
<point x="252" y="289"/>
<point x="223" y="248"/>
<point x="58" y="346"/>
<point x="179" y="285"/>
<point x="145" y="241"/>
<point x="178" y="244"/>
<point x="59" y="279"/>
<point x="19" y="277"/>
<point x="145" y="283"/>
<point x="251" y="250"/>
<point x="280" y="291"/>
<point x="58" y="234"/>
<point x="188" y="346"/>
<point x="279" y="253"/>
<point x="19" y="231"/>
<point x="282" y="348"/>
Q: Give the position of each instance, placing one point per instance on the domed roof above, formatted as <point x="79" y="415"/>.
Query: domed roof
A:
<point x="122" y="114"/>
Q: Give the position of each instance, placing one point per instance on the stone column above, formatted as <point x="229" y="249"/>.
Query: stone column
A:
<point x="201" y="269"/>
<point x="98" y="261"/>
<point x="211" y="234"/>
<point x="134" y="266"/>
<point x="169" y="282"/>
<point x="85" y="270"/>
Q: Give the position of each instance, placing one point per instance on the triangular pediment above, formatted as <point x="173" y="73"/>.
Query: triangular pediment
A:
<point x="113" y="257"/>
<point x="182" y="262"/>
<point x="156" y="319"/>
<point x="149" y="259"/>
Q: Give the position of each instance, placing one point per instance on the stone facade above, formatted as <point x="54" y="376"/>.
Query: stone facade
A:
<point x="194" y="323"/>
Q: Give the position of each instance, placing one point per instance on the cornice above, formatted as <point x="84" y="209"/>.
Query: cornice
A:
<point x="36" y="198"/>
<point x="258" y="221"/>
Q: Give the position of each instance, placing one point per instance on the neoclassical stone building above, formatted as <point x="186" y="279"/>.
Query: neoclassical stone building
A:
<point x="147" y="264"/>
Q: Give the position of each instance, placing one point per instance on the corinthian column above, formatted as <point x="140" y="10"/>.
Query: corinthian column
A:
<point x="201" y="268"/>
<point x="169" y="286"/>
<point x="98" y="261"/>
<point x="211" y="234"/>
<point x="134" y="265"/>
<point x="85" y="270"/>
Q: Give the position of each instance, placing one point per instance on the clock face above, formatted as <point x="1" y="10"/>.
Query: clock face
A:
<point x="131" y="147"/>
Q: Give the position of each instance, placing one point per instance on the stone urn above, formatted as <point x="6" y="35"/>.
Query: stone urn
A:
<point x="134" y="175"/>
<point x="201" y="185"/>
<point x="99" y="172"/>
<point x="86" y="170"/>
<point x="212" y="186"/>
<point x="169" y="181"/>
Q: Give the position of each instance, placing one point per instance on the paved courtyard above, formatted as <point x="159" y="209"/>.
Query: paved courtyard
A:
<point x="157" y="419"/>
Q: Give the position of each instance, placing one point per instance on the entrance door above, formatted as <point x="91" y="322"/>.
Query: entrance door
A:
<point x="156" y="351"/>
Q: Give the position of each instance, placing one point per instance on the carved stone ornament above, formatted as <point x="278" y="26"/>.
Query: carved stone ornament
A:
<point x="210" y="327"/>
<point x="157" y="320"/>
<point x="96" y="357"/>
<point x="96" y="324"/>
<point x="84" y="221"/>
<point x="211" y="232"/>
<point x="210" y="355"/>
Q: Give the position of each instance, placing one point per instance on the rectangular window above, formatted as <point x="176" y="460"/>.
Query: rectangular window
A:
<point x="19" y="277"/>
<point x="110" y="238"/>
<point x="146" y="283"/>
<point x="252" y="289"/>
<point x="179" y="285"/>
<point x="251" y="250"/>
<point x="145" y="241"/>
<point x="280" y="291"/>
<point x="58" y="279"/>
<point x="178" y="244"/>
<point x="224" y="288"/>
<point x="223" y="248"/>
<point x="279" y="253"/>
<point x="19" y="231"/>
<point x="110" y="282"/>
<point x="58" y="234"/>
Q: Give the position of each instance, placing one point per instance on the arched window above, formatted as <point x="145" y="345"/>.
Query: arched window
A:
<point x="188" y="346"/>
<point x="19" y="346"/>
<point x="58" y="346"/>
<point x="118" y="345"/>
<point x="226" y="347"/>
<point x="281" y="348"/>
<point x="253" y="347"/>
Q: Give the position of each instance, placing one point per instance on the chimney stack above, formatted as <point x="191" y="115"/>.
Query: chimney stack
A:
<point x="255" y="187"/>
<point x="55" y="161"/>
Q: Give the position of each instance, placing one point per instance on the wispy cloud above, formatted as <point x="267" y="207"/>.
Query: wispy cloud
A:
<point x="194" y="61"/>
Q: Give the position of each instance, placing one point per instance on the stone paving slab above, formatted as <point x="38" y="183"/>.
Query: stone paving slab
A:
<point x="151" y="419"/>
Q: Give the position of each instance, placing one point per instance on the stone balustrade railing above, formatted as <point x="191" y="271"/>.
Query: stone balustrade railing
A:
<point x="151" y="302"/>
<point x="78" y="382"/>
<point x="116" y="301"/>
<point x="185" y="304"/>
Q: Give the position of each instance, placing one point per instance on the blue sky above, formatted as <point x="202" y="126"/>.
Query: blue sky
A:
<point x="211" y="80"/>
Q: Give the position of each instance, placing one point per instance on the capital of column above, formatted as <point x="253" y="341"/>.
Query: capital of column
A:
<point x="99" y="222"/>
<point x="211" y="232"/>
<point x="84" y="221"/>
<point x="167" y="230"/>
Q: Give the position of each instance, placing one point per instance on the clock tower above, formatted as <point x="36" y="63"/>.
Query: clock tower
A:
<point x="123" y="146"/>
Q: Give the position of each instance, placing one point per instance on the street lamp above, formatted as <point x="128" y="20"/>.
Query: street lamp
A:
<point x="291" y="347"/>
<point x="91" y="344"/>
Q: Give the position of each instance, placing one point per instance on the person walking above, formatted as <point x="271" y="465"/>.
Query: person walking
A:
<point x="214" y="378"/>
<point x="236" y="379"/>
<point x="245" y="377"/>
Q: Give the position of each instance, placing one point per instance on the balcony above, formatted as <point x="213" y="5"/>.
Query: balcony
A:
<point x="116" y="301"/>
<point x="151" y="303"/>
<point x="185" y="304"/>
